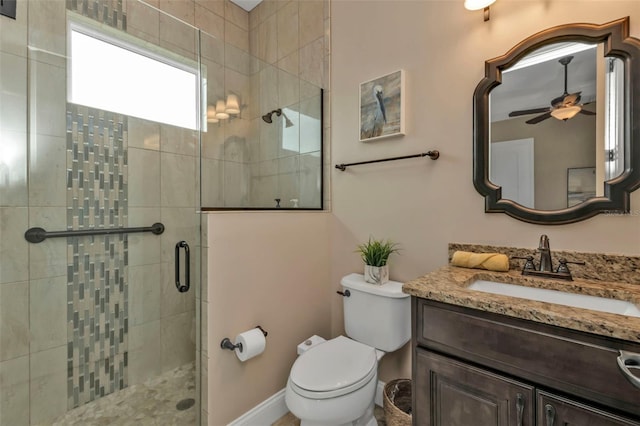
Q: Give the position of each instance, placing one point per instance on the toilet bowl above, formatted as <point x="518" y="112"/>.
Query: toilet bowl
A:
<point x="334" y="383"/>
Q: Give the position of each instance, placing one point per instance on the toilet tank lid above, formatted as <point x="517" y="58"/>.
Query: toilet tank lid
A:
<point x="356" y="282"/>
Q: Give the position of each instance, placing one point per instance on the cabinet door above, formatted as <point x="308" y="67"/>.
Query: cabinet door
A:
<point x="451" y="393"/>
<point x="555" y="410"/>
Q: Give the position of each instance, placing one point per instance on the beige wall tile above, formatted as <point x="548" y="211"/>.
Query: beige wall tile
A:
<point x="212" y="178"/>
<point x="265" y="44"/>
<point x="48" y="313"/>
<point x="216" y="6"/>
<point x="178" y="340"/>
<point x="288" y="31"/>
<point x="288" y="89"/>
<point x="173" y="302"/>
<point x="290" y="63"/>
<point x="236" y="36"/>
<point x="213" y="141"/>
<point x="144" y="178"/>
<point x="178" y="180"/>
<point x="13" y="247"/>
<point x="48" y="380"/>
<point x="236" y="184"/>
<point x="143" y="134"/>
<point x="145" y="282"/>
<point x="47" y="171"/>
<point x="311" y="21"/>
<point x="144" y="19"/>
<point x="13" y="167"/>
<point x="312" y="62"/>
<point x="212" y="48"/>
<point x="239" y="60"/>
<point x="181" y="9"/>
<point x="144" y="351"/>
<point x="178" y="140"/>
<point x="144" y="248"/>
<point x="180" y="225"/>
<point x="178" y="37"/>
<point x="14" y="398"/>
<point x="13" y="91"/>
<point x="47" y="86"/>
<point x="47" y="25"/>
<point x="268" y="90"/>
<point x="310" y="180"/>
<point x="236" y="15"/>
<point x="14" y="320"/>
<point x="311" y="128"/>
<point x="209" y="22"/>
<point x="48" y="258"/>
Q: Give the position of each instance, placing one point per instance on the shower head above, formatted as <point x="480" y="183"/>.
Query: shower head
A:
<point x="287" y="123"/>
<point x="268" y="117"/>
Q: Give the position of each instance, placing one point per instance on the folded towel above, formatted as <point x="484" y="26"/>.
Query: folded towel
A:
<point x="490" y="261"/>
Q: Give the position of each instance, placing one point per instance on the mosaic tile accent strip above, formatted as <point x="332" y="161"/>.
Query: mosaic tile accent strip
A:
<point x="97" y="288"/>
<point x="109" y="12"/>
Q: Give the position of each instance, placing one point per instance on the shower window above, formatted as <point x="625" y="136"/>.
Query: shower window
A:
<point x="98" y="78"/>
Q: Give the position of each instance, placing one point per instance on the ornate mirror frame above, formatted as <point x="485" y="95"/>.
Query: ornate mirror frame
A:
<point x="617" y="43"/>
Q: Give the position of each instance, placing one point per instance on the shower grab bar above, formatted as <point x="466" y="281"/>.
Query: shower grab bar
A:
<point x="38" y="235"/>
<point x="183" y="288"/>
<point x="434" y="155"/>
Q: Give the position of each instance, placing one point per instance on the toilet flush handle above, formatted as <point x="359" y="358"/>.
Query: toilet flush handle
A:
<point x="346" y="293"/>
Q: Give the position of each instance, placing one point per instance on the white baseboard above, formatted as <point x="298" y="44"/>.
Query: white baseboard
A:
<point x="267" y="412"/>
<point x="274" y="407"/>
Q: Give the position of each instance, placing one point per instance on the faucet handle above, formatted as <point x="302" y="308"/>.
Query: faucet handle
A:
<point x="529" y="262"/>
<point x="563" y="268"/>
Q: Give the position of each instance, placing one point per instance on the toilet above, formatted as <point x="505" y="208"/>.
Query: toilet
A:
<point x="334" y="382"/>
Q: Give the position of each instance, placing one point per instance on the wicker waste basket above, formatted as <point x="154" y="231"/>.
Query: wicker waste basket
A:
<point x="397" y="402"/>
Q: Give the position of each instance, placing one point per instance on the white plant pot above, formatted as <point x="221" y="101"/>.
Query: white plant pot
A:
<point x="376" y="274"/>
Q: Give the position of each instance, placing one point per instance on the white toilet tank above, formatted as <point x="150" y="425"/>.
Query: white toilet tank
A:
<point x="376" y="315"/>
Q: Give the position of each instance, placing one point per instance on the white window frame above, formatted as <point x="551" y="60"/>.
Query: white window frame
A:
<point x="83" y="26"/>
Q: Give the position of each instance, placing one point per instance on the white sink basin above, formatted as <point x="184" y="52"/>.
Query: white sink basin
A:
<point x="593" y="303"/>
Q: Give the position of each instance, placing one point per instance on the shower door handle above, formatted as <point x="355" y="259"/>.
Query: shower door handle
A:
<point x="182" y="288"/>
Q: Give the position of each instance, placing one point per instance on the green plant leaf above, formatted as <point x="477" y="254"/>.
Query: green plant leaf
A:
<point x="377" y="252"/>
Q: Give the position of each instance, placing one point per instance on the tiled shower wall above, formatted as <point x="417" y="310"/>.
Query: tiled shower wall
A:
<point x="36" y="321"/>
<point x="281" y="60"/>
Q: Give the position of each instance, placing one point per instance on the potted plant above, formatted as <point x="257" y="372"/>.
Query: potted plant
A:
<point x="375" y="254"/>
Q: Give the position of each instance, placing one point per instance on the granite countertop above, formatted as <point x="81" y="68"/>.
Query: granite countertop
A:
<point x="449" y="285"/>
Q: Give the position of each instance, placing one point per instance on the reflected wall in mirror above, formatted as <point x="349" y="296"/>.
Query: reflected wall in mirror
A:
<point x="560" y="101"/>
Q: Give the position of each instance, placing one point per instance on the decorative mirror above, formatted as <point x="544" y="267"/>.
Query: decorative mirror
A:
<point x="557" y="125"/>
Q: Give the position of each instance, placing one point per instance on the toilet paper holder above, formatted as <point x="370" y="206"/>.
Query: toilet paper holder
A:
<point x="226" y="343"/>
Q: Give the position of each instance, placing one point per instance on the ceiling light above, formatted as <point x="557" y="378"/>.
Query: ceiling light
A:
<point x="566" y="113"/>
<point x="477" y="4"/>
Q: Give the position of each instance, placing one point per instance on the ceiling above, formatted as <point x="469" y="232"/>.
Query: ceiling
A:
<point x="247" y="4"/>
<point x="536" y="85"/>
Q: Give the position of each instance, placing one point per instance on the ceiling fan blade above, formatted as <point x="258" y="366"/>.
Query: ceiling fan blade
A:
<point x="536" y="120"/>
<point x="528" y="111"/>
<point x="585" y="112"/>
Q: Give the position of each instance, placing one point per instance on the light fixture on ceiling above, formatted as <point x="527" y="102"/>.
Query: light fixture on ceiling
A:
<point x="479" y="4"/>
<point x="565" y="113"/>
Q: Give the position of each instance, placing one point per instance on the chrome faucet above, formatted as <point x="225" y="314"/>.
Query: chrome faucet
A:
<point x="545" y="267"/>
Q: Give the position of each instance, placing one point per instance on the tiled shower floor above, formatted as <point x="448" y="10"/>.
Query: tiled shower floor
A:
<point x="147" y="404"/>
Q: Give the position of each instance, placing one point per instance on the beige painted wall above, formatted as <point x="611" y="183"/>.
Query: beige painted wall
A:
<point x="271" y="269"/>
<point x="420" y="203"/>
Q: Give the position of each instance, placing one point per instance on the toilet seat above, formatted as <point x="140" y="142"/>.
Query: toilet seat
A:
<point x="336" y="367"/>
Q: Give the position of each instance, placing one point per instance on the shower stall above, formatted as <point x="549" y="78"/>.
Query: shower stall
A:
<point x="120" y="125"/>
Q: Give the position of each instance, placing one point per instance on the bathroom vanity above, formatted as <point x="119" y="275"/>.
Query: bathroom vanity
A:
<point x="486" y="359"/>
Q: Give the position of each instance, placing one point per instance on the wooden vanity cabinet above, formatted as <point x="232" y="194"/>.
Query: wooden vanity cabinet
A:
<point x="474" y="368"/>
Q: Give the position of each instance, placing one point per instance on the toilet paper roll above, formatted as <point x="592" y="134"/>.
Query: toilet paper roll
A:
<point x="253" y="343"/>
